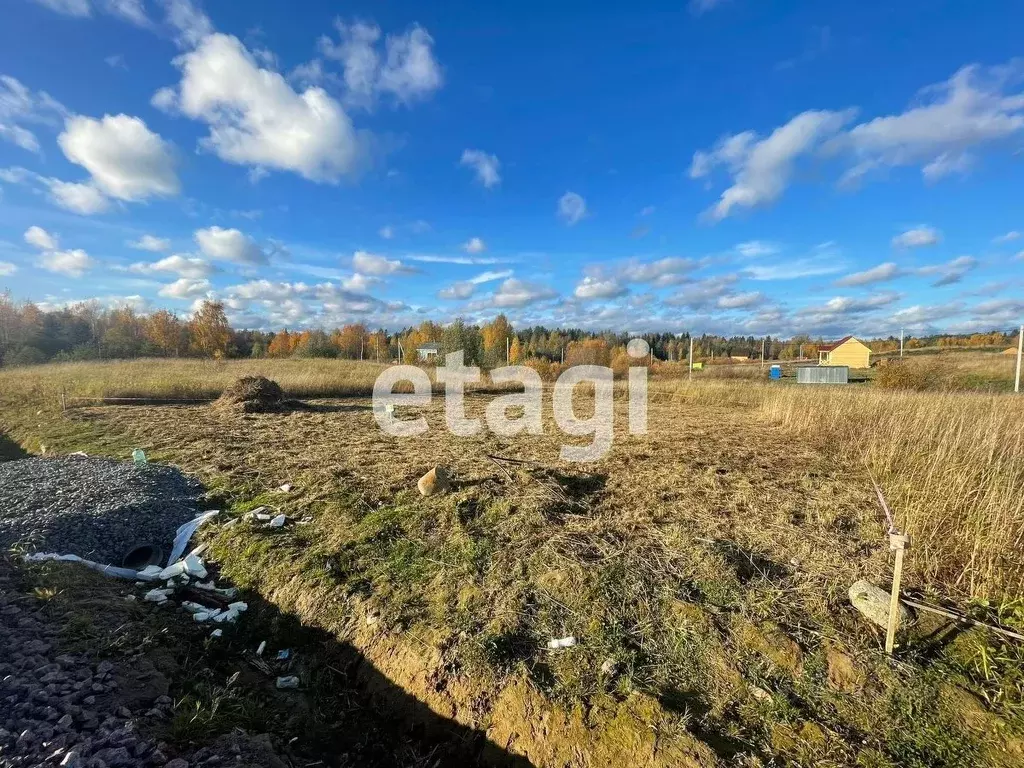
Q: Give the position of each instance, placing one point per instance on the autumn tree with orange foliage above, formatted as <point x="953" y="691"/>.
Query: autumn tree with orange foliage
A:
<point x="281" y="346"/>
<point x="209" y="330"/>
<point x="166" y="332"/>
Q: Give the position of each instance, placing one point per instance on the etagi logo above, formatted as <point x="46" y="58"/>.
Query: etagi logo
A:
<point x="455" y="375"/>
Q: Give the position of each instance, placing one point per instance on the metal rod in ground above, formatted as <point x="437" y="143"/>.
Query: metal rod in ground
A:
<point x="898" y="542"/>
<point x="960" y="617"/>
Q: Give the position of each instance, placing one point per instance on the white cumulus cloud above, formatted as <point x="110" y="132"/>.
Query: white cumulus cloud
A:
<point x="186" y="288"/>
<point x="229" y="245"/>
<point x="18" y="106"/>
<point x="484" y="165"/>
<point x="519" y="293"/>
<point x="72" y="263"/>
<point x="591" y="287"/>
<point x="178" y="264"/>
<point x="150" y="243"/>
<point x="572" y="208"/>
<point x="126" y="159"/>
<point x="85" y="199"/>
<point x="372" y="264"/>
<point x="256" y="118"/>
<point x="887" y="271"/>
<point x="917" y="237"/>
<point x="7" y="269"/>
<point x="40" y="238"/>
<point x="474" y="245"/>
<point x="761" y="168"/>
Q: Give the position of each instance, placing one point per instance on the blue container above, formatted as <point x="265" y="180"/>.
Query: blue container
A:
<point x="775" y="372"/>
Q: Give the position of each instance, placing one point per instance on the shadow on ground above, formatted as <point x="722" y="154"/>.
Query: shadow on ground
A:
<point x="10" y="450"/>
<point x="345" y="713"/>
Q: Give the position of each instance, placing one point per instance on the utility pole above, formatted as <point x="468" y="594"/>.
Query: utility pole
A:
<point x="901" y="342"/>
<point x="506" y="350"/>
<point x="1020" y="353"/>
<point x="691" y="357"/>
<point x="360" y="349"/>
<point x="800" y="354"/>
<point x="762" y="353"/>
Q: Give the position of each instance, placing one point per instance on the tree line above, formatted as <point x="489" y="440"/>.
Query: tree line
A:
<point x="87" y="331"/>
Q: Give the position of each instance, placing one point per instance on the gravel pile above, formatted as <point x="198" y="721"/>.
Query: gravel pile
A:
<point x="76" y="711"/>
<point x="95" y="508"/>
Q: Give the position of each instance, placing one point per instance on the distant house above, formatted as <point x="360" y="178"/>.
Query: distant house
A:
<point x="847" y="351"/>
<point x="428" y="351"/>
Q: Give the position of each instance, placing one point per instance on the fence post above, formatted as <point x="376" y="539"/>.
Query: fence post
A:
<point x="900" y="543"/>
<point x="1020" y="353"/>
<point x="63" y="400"/>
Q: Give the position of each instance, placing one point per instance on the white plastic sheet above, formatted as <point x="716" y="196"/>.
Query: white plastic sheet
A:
<point x="185" y="532"/>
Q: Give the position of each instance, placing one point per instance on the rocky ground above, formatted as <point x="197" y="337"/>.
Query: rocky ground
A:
<point x="63" y="704"/>
<point x="92" y="507"/>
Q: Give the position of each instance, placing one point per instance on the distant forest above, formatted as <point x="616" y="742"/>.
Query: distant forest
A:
<point x="87" y="331"/>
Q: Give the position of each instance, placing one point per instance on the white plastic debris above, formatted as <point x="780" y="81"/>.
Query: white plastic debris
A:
<point x="283" y="655"/>
<point x="217" y="633"/>
<point x="291" y="681"/>
<point x="258" y="514"/>
<point x="193" y="566"/>
<point x="262" y="647"/>
<point x="277" y="522"/>
<point x="139" y="456"/>
<point x="157" y="595"/>
<point x="184" y="533"/>
<point x="149" y="573"/>
<point x="81" y="454"/>
<point x="194" y="607"/>
<point x="239" y="606"/>
<point x="173" y="570"/>
<point x="286" y="488"/>
<point x="202" y="616"/>
<point x="230" y="616"/>
<point x="561" y="642"/>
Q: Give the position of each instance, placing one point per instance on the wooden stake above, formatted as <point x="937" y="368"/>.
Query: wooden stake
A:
<point x="900" y="543"/>
<point x="1020" y="354"/>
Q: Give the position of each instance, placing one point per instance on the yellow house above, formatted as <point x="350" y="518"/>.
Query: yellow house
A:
<point x="846" y="351"/>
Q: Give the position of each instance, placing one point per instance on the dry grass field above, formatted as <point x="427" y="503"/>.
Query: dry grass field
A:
<point x="702" y="567"/>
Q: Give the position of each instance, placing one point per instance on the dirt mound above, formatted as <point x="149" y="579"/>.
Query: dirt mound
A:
<point x="253" y="394"/>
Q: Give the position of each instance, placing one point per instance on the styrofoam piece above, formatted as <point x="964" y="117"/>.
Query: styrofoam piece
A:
<point x="193" y="566"/>
<point x="561" y="642"/>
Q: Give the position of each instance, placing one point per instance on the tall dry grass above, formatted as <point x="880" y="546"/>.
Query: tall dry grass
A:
<point x="951" y="465"/>
<point x="188" y="378"/>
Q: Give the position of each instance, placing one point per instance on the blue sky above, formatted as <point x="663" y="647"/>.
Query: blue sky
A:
<point x="726" y="166"/>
